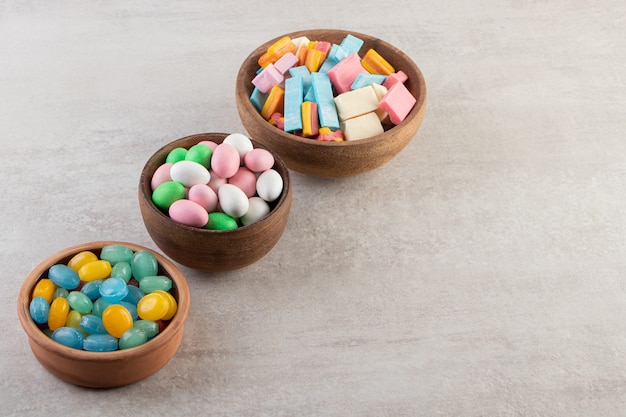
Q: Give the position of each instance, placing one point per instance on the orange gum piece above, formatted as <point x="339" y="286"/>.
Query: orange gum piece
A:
<point x="314" y="59"/>
<point x="273" y="103"/>
<point x="276" y="51"/>
<point x="376" y="64"/>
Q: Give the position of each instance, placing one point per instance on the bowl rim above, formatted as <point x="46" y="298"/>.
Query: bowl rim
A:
<point x="36" y="335"/>
<point x="145" y="177"/>
<point x="242" y="80"/>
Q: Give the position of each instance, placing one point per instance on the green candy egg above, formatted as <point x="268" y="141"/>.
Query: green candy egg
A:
<point x="175" y="155"/>
<point x="166" y="193"/>
<point x="220" y="221"/>
<point x="201" y="154"/>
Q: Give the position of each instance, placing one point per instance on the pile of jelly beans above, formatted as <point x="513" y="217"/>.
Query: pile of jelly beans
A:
<point x="217" y="186"/>
<point x="101" y="304"/>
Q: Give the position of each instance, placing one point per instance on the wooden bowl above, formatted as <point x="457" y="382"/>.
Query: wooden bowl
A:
<point x="333" y="159"/>
<point x="104" y="369"/>
<point x="212" y="250"/>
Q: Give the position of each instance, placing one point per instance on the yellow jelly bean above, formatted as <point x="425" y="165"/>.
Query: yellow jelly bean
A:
<point x="153" y="306"/>
<point x="94" y="270"/>
<point x="45" y="288"/>
<point x="59" y="309"/>
<point x="116" y="319"/>
<point x="81" y="258"/>
<point x="73" y="320"/>
<point x="172" y="305"/>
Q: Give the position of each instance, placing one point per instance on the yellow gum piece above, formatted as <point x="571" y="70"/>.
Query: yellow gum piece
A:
<point x="276" y="51"/>
<point x="273" y="103"/>
<point x="309" y="125"/>
<point x="314" y="59"/>
<point x="376" y="64"/>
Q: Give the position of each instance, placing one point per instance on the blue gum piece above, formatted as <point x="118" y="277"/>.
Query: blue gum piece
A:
<point x="323" y="92"/>
<point x="293" y="104"/>
<point x="336" y="54"/>
<point x="351" y="44"/>
<point x="258" y="98"/>
<point x="363" y="80"/>
<point x="303" y="72"/>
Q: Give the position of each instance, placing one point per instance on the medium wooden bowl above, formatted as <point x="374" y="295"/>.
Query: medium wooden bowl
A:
<point x="212" y="250"/>
<point x="333" y="159"/>
<point x="104" y="369"/>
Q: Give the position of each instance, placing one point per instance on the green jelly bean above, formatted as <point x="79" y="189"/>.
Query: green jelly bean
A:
<point x="149" y="284"/>
<point x="80" y="302"/>
<point x="220" y="221"/>
<point x="175" y="155"/>
<point x="166" y="193"/>
<point x="116" y="253"/>
<point x="122" y="270"/>
<point x="99" y="306"/>
<point x="60" y="292"/>
<point x="132" y="337"/>
<point x="149" y="327"/>
<point x="201" y="154"/>
<point x="144" y="264"/>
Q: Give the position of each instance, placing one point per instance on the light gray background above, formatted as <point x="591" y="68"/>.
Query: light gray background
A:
<point x="479" y="273"/>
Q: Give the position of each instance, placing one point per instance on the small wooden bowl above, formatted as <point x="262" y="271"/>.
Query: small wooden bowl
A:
<point x="104" y="369"/>
<point x="333" y="159"/>
<point x="212" y="250"/>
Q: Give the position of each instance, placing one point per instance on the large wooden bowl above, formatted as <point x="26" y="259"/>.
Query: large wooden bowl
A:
<point x="104" y="369"/>
<point x="212" y="250"/>
<point x="333" y="159"/>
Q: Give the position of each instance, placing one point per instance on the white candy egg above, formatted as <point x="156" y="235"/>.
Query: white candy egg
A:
<point x="189" y="173"/>
<point x="233" y="201"/>
<point x="258" y="209"/>
<point x="269" y="185"/>
<point x="241" y="142"/>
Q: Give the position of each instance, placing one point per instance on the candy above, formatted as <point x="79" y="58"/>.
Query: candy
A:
<point x="168" y="192"/>
<point x="73" y="320"/>
<point x="269" y="185"/>
<point x="220" y="221"/>
<point x="113" y="289"/>
<point x="94" y="270"/>
<point x="226" y="160"/>
<point x="309" y="119"/>
<point x="144" y="264"/>
<point x="259" y="160"/>
<point x="171" y="303"/>
<point x="356" y="103"/>
<point x="161" y="175"/>
<point x="322" y="90"/>
<point x="200" y="153"/>
<point x="122" y="270"/>
<point x="116" y="319"/>
<point x="396" y="77"/>
<point x="241" y="142"/>
<point x="258" y="209"/>
<point x="274" y="101"/>
<point x="268" y="78"/>
<point x="376" y="64"/>
<point x="116" y="253"/>
<point x="351" y="44"/>
<point x="92" y="324"/>
<point x="149" y="327"/>
<point x="92" y="289"/>
<point x="276" y="51"/>
<point x="153" y="306"/>
<point x="79" y="301"/>
<point x="292" y="104"/>
<point x="134" y="294"/>
<point x="314" y="59"/>
<point x="345" y="72"/>
<point x="361" y="127"/>
<point x="363" y="80"/>
<point x="233" y="200"/>
<point x="189" y="213"/>
<point x="39" y="309"/>
<point x="189" y="173"/>
<point x="154" y="283"/>
<point x="100" y="343"/>
<point x="258" y="98"/>
<point x="245" y="180"/>
<point x="59" y="309"/>
<point x="302" y="72"/>
<point x="80" y="259"/>
<point x="398" y="102"/>
<point x="44" y="288"/>
<point x="176" y="155"/>
<point x="132" y="337"/>
<point x="64" y="276"/>
<point x="69" y="337"/>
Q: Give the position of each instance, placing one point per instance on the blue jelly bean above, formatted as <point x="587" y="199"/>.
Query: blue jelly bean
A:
<point x="100" y="343"/>
<point x="92" y="289"/>
<point x="69" y="337"/>
<point x="39" y="310"/>
<point x="92" y="324"/>
<point x="116" y="253"/>
<point x="99" y="306"/>
<point x="122" y="270"/>
<point x="113" y="289"/>
<point x="132" y="309"/>
<point x="144" y="264"/>
<point x="134" y="295"/>
<point x="64" y="276"/>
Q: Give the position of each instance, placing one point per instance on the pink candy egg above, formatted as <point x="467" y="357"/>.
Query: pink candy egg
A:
<point x="245" y="180"/>
<point x="161" y="175"/>
<point x="189" y="213"/>
<point x="216" y="181"/>
<point x="225" y="160"/>
<point x="203" y="195"/>
<point x="259" y="160"/>
<point x="209" y="143"/>
<point x="241" y="142"/>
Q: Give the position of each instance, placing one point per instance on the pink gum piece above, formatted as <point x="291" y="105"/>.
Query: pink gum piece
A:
<point x="343" y="74"/>
<point x="285" y="62"/>
<point x="394" y="78"/>
<point x="268" y="78"/>
<point x="398" y="102"/>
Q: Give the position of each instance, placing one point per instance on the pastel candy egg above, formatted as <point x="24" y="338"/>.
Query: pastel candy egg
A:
<point x="269" y="185"/>
<point x="259" y="160"/>
<point x="175" y="155"/>
<point x="241" y="142"/>
<point x="201" y="154"/>
<point x="220" y="221"/>
<point x="161" y="175"/>
<point x="189" y="173"/>
<point x="168" y="192"/>
<point x="233" y="200"/>
<point x="189" y="213"/>
<point x="216" y="181"/>
<point x="209" y="143"/>
<point x="245" y="180"/>
<point x="258" y="209"/>
<point x="203" y="195"/>
<point x="225" y="161"/>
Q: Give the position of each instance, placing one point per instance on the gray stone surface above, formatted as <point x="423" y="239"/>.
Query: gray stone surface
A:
<point x="479" y="273"/>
